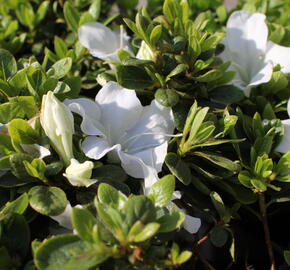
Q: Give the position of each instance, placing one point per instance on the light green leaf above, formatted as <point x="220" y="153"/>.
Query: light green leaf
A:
<point x="161" y="191"/>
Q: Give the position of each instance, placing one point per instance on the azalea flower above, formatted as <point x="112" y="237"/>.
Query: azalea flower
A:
<point x="284" y="145"/>
<point x="251" y="55"/>
<point x="58" y="124"/>
<point x="102" y="42"/>
<point x="118" y="125"/>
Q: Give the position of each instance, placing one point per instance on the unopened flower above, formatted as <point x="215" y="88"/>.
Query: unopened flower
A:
<point x="79" y="174"/>
<point x="118" y="125"/>
<point x="251" y="55"/>
<point x="101" y="41"/>
<point x="145" y="53"/>
<point x="58" y="124"/>
<point x="284" y="145"/>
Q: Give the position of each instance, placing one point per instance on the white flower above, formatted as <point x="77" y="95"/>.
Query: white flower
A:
<point x="251" y="55"/>
<point x="284" y="145"/>
<point x="58" y="124"/>
<point x="119" y="125"/>
<point x="102" y="42"/>
<point x="79" y="174"/>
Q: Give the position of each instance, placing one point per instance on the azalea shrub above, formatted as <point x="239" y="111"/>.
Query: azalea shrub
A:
<point x="144" y="134"/>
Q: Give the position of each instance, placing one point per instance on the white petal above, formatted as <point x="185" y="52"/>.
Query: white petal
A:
<point x="153" y="157"/>
<point x="153" y="129"/>
<point x="135" y="167"/>
<point x="91" y="114"/>
<point x="247" y="33"/>
<point x="191" y="224"/>
<point x="79" y="181"/>
<point x="284" y="145"/>
<point x="64" y="219"/>
<point x="95" y="147"/>
<point x="245" y="46"/>
<point x="100" y="40"/>
<point x="263" y="75"/>
<point x="120" y="109"/>
<point x="279" y="55"/>
<point x="43" y="152"/>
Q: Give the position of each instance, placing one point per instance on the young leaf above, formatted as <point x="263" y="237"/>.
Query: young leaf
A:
<point x="72" y="16"/>
<point x="161" y="191"/>
<point x="84" y="222"/>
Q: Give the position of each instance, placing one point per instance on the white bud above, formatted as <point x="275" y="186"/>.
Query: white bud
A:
<point x="79" y="174"/>
<point x="58" y="124"/>
<point x="145" y="53"/>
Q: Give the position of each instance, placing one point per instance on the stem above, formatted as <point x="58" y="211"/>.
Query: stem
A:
<point x="263" y="211"/>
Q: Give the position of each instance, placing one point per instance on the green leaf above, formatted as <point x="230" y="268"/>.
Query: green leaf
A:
<point x="184" y="257"/>
<point x="6" y="261"/>
<point x="219" y="206"/>
<point x="18" y="168"/>
<point x="21" y="133"/>
<point x="84" y="222"/>
<point x="6" y="146"/>
<point x="283" y="165"/>
<point x="210" y="76"/>
<point x="133" y="77"/>
<point x="178" y="168"/>
<point x="176" y="71"/>
<point x="41" y="12"/>
<point x="196" y="123"/>
<point x="50" y="201"/>
<point x="219" y="160"/>
<point x="60" y="68"/>
<point x="16" y="235"/>
<point x="155" y="34"/>
<point x="139" y="208"/>
<point x="95" y="9"/>
<point x="128" y="4"/>
<point x="170" y="222"/>
<point x="218" y="236"/>
<point x="8" y="66"/>
<point x="71" y="16"/>
<point x="111" y="217"/>
<point x="66" y="252"/>
<point x="148" y="232"/>
<point x="17" y="206"/>
<point x="259" y="185"/>
<point x="110" y="173"/>
<point x="36" y="168"/>
<point x="25" y="14"/>
<point x="110" y="196"/>
<point x="161" y="191"/>
<point x="287" y="256"/>
<point x="227" y="94"/>
<point x="60" y="47"/>
<point x="167" y="97"/>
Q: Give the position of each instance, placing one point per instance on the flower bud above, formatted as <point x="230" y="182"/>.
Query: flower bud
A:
<point x="79" y="174"/>
<point x="58" y="124"/>
<point x="145" y="53"/>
